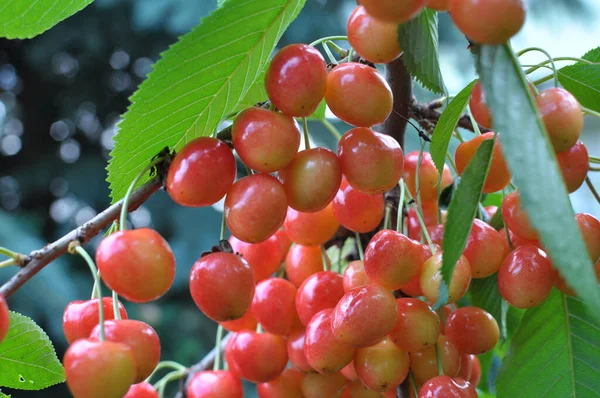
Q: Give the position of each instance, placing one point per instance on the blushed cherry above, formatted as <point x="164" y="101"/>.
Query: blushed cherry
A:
<point x="491" y="211"/>
<point x="417" y="326"/>
<point x="466" y="367"/>
<point x="413" y="287"/>
<point x="445" y="386"/>
<point x="431" y="278"/>
<point x="485" y="250"/>
<point x="372" y="39"/>
<point x="574" y="165"/>
<point x="475" y="371"/>
<point x="4" y="318"/>
<point x="438" y="5"/>
<point x="295" y="350"/>
<point x="381" y="367"/>
<point x="246" y="322"/>
<point x="349" y="371"/>
<point x="274" y="306"/>
<point x="137" y="264"/>
<point x="473" y="330"/>
<point x="477" y="103"/>
<point x="317" y="385"/>
<point x="264" y="258"/>
<point x="516" y="218"/>
<point x="302" y="262"/>
<point x="355" y="275"/>
<point x="311" y="229"/>
<point x="80" y="317"/>
<point x="590" y="229"/>
<point x="284" y="242"/>
<point x="257" y="357"/>
<point x="141" y="390"/>
<point x="357" y="389"/>
<point x="428" y="176"/>
<point x="215" y="384"/>
<point x="288" y="384"/>
<point x="393" y="11"/>
<point x="424" y="364"/>
<point x="323" y="351"/>
<point x="318" y="292"/>
<point x="562" y="115"/>
<point x="516" y="240"/>
<point x="357" y="211"/>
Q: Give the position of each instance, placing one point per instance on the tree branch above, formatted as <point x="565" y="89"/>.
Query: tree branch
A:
<point x="429" y="114"/>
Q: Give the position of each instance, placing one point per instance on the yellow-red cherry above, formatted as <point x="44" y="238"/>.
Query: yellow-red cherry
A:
<point x="295" y="350"/>
<point x="562" y="116"/>
<point x="302" y="262"/>
<point x="413" y="287"/>
<point x="274" y="306"/>
<point x="382" y="366"/>
<point x="357" y="211"/>
<point x="393" y="11"/>
<point x="438" y="5"/>
<point x="317" y="385"/>
<point x="590" y="229"/>
<point x="372" y="39"/>
<point x="431" y="278"/>
<point x="246" y="322"/>
<point x="516" y="218"/>
<point x="264" y="258"/>
<point x="473" y="330"/>
<point x="428" y="176"/>
<point x="257" y="357"/>
<point x="288" y="385"/>
<point x="424" y="364"/>
<point x="318" y="292"/>
<point x="311" y="229"/>
<point x="355" y="275"/>
<point x="479" y="106"/>
<point x="215" y="384"/>
<point x="574" y="165"/>
<point x="80" y="317"/>
<point x="417" y="326"/>
<point x="141" y="390"/>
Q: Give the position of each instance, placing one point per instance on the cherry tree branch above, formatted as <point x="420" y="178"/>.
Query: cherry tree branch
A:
<point x="429" y="114"/>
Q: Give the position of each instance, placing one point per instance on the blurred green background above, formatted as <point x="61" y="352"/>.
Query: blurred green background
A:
<point x="61" y="95"/>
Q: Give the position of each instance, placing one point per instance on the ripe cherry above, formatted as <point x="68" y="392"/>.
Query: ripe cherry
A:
<point x="357" y="211"/>
<point x="318" y="292"/>
<point x="138" y="336"/>
<point x="211" y="281"/>
<point x="349" y="372"/>
<point x="444" y="386"/>
<point x="431" y="277"/>
<point x="382" y="366"/>
<point x="515" y="217"/>
<point x="289" y="384"/>
<point x="274" y="306"/>
<point x="485" y="250"/>
<point x="473" y="330"/>
<point x="266" y="141"/>
<point x="202" y="173"/>
<point x="302" y="262"/>
<point x="516" y="241"/>
<point x="246" y="322"/>
<point x="391" y="11"/>
<point x="312" y="179"/>
<point x="317" y="385"/>
<point x="137" y="264"/>
<point x="430" y="217"/>
<point x="257" y="357"/>
<point x="355" y="275"/>
<point x="358" y="94"/>
<point x="80" y="317"/>
<point x="428" y="176"/>
<point x="141" y="390"/>
<point x="284" y="242"/>
<point x="413" y="287"/>
<point x="562" y="116"/>
<point x="475" y="371"/>
<point x="357" y="389"/>
<point x="491" y="211"/>
<point x="526" y="277"/>
<point x="99" y="369"/>
<point x="311" y="229"/>
<point x="466" y="367"/>
<point x="438" y="5"/>
<point x="297" y="69"/>
<point x="489" y="22"/>
<point x="574" y="165"/>
<point x="371" y="162"/>
<point x="255" y="207"/>
<point x="372" y="39"/>
<point x="365" y="315"/>
<point x="417" y="326"/>
<point x="590" y="229"/>
<point x="424" y="364"/>
<point x="323" y="351"/>
<point x="215" y="384"/>
<point x="4" y="318"/>
<point x="295" y="350"/>
<point x="479" y="106"/>
<point x="264" y="258"/>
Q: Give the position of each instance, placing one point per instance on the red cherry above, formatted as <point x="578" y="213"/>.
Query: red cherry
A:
<point x="372" y="39"/>
<point x="479" y="106"/>
<point x="473" y="330"/>
<point x="444" y="386"/>
<point x="211" y="281"/>
<point x="393" y="11"/>
<point x="274" y="306"/>
<point x="312" y="179"/>
<point x="311" y="229"/>
<point x="475" y="371"/>
<point x="358" y="94"/>
<point x="574" y="165"/>
<point x="295" y="350"/>
<point x="413" y="287"/>
<point x="417" y="326"/>
<point x="357" y="211"/>
<point x="266" y="141"/>
<point x="382" y="366"/>
<point x="316" y="385"/>
<point x="515" y="217"/>
<point x="438" y="5"/>
<point x="264" y="258"/>
<point x="258" y="357"/>
<point x="297" y="69"/>
<point x="318" y="292"/>
<point x="590" y="229"/>
<point x="202" y="173"/>
<point x="99" y="369"/>
<point x="365" y="315"/>
<point x="288" y="385"/>
<point x="246" y="322"/>
<point x="562" y="116"/>
<point x="491" y="211"/>
<point x="255" y="207"/>
<point x="466" y="367"/>
<point x="516" y="240"/>
<point x="80" y="317"/>
<point x="323" y="351"/>
<point x="430" y="217"/>
<point x="215" y="384"/>
<point x="355" y="275"/>
<point x="428" y="176"/>
<point x="424" y="364"/>
<point x="4" y="318"/>
<point x="137" y="264"/>
<point x="489" y="22"/>
<point x="526" y="277"/>
<point x="284" y="242"/>
<point x="141" y="390"/>
<point x="431" y="278"/>
<point x="349" y="372"/>
<point x="302" y="262"/>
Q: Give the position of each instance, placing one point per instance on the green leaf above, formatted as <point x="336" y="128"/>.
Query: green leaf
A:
<point x="319" y="113"/>
<point x="27" y="358"/>
<point x="583" y="81"/>
<point x="554" y="353"/>
<point x="533" y="166"/>
<point x="461" y="214"/>
<point x="440" y="140"/>
<point x="418" y="40"/>
<point x="493" y="199"/>
<point x="338" y="258"/>
<point x="2" y="395"/>
<point x="593" y="55"/>
<point x="198" y="81"/>
<point x="497" y="222"/>
<point x="24" y="19"/>
<point x="220" y="3"/>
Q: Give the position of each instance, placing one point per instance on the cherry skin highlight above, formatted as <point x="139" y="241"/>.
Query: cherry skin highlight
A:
<point x="355" y="275"/>
<point x="211" y="281"/>
<point x="473" y="330"/>
<point x="392" y="11"/>
<point x="562" y="116"/>
<point x="264" y="258"/>
<point x="255" y="207"/>
<point x="311" y="229"/>
<point x="4" y="318"/>
<point x="80" y="317"/>
<point x="298" y="69"/>
<point x="137" y="264"/>
<point x="428" y="176"/>
<point x="479" y="106"/>
<point x="215" y="384"/>
<point x="295" y="350"/>
<point x="372" y="39"/>
<point x="444" y="386"/>
<point x="515" y="217"/>
<point x="358" y="94"/>
<point x="357" y="211"/>
<point x="312" y="179"/>
<point x="257" y="357"/>
<point x="431" y="278"/>
<point x="266" y="141"/>
<point x="574" y="166"/>
<point x="318" y="292"/>
<point x="141" y="390"/>
<point x="202" y="173"/>
<point x="381" y="367"/>
<point x="288" y="385"/>
<point x="302" y="262"/>
<point x="424" y="364"/>
<point x="417" y="326"/>
<point x="590" y="229"/>
<point x="274" y="306"/>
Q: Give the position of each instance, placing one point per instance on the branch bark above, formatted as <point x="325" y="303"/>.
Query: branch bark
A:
<point x="428" y="112"/>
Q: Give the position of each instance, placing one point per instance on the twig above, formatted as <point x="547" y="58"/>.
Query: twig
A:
<point x="427" y="112"/>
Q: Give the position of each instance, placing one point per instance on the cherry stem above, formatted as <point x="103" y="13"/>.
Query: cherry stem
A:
<point x="418" y="181"/>
<point x="328" y="38"/>
<point x="328" y="52"/>
<point x="115" y="302"/>
<point x="557" y="59"/>
<point x="324" y="257"/>
<point x="162" y="383"/>
<point x="473" y="121"/>
<point x="590" y="112"/>
<point x="593" y="168"/>
<point x="386" y="219"/>
<point x="9" y="253"/>
<point x="592" y="189"/>
<point x="439" y="360"/>
<point x="594" y="159"/>
<point x="305" y="127"/>
<point x="413" y="383"/>
<point x="421" y="221"/>
<point x="361" y="253"/>
<point x="223" y="227"/>
<point x="165" y="365"/>
<point x="457" y="134"/>
<point x="550" y="60"/>
<point x="218" y="354"/>
<point x="400" y="217"/>
<point x="7" y="263"/>
<point x="334" y="131"/>
<point x="339" y="50"/>
<point x="510" y="245"/>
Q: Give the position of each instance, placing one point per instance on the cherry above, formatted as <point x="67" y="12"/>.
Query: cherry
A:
<point x="311" y="229"/>
<point x="274" y="306"/>
<point x="466" y="366"/>
<point x="491" y="211"/>
<point x="137" y="335"/>
<point x="255" y="207"/>
<point x="357" y="389"/>
<point x="302" y="262"/>
<point x="246" y="322"/>
<point x="266" y="141"/>
<point x="257" y="357"/>
<point x="318" y="292"/>
<point x="365" y="315"/>
<point x="297" y="69"/>
<point x="295" y="350"/>
<point x="289" y="384"/>
<point x="473" y="330"/>
<point x="444" y="313"/>
<point x="358" y="94"/>
<point x="355" y="275"/>
<point x="99" y="369"/>
<point x="515" y="217"/>
<point x="4" y="318"/>
<point x="562" y="116"/>
<point x="211" y="281"/>
<point x="323" y="351"/>
<point x="202" y="173"/>
<point x="478" y="104"/>
<point x="349" y="371"/>
<point x="489" y="22"/>
<point x="413" y="287"/>
<point x="80" y="317"/>
<point x="424" y="364"/>
<point x="590" y="229"/>
<point x="431" y="277"/>
<point x="574" y="166"/>
<point x="475" y="371"/>
<point x="357" y="211"/>
<point x="312" y="179"/>
<point x="371" y="162"/>
<point x="372" y="39"/>
<point x="284" y="242"/>
<point x="393" y="11"/>
<point x="516" y="241"/>
<point x="417" y="326"/>
<point x="485" y="250"/>
<point x="444" y="386"/>
<point x="316" y="385"/>
<point x="382" y="366"/>
<point x="141" y="390"/>
<point x="428" y="176"/>
<point x="137" y="264"/>
<point x="430" y="217"/>
<point x="438" y="5"/>
<point x="526" y="277"/>
<point x="264" y="258"/>
<point x="215" y="384"/>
